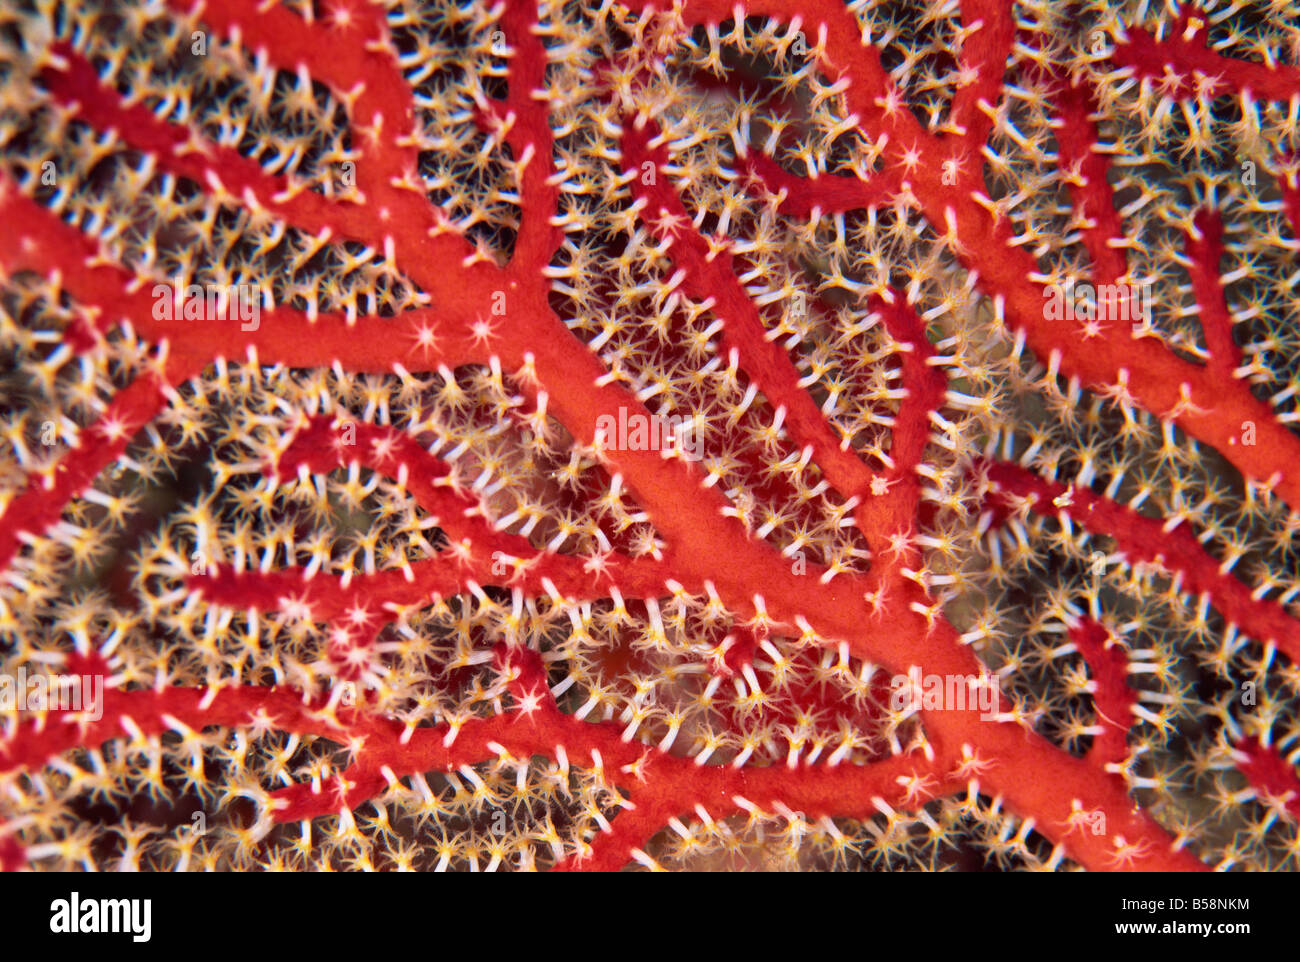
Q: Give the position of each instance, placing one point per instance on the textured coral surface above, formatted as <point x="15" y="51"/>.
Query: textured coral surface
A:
<point x="685" y="437"/>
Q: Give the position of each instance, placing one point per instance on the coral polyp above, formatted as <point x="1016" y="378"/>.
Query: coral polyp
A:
<point x="610" y="435"/>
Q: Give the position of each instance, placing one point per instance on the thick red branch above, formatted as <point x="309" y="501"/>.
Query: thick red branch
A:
<point x="1174" y="62"/>
<point x="1176" y="549"/>
<point x="1112" y="697"/>
<point x="1272" y="775"/>
<point x="829" y="193"/>
<point x="1204" y="252"/>
<point x="1085" y="170"/>
<point x="41" y="505"/>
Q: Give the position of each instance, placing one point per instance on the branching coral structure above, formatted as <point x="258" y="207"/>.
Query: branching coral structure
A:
<point x="679" y="436"/>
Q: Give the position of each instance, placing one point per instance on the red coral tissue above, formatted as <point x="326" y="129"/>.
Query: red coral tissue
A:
<point x="593" y="435"/>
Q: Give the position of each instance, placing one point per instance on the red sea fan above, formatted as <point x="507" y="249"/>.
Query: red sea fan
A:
<point x="588" y="435"/>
